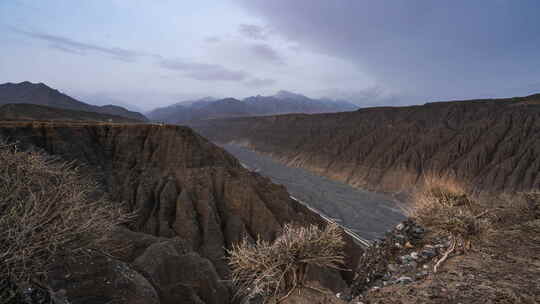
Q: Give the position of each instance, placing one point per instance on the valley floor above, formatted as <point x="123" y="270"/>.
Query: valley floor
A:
<point x="369" y="214"/>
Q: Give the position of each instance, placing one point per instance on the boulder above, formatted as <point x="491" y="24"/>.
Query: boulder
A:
<point x="180" y="275"/>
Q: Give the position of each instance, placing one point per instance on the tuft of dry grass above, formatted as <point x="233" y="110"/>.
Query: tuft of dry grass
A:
<point x="270" y="269"/>
<point x="444" y="207"/>
<point x="48" y="210"/>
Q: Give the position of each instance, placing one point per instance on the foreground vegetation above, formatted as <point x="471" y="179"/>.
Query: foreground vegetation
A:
<point x="470" y="248"/>
<point x="49" y="211"/>
<point x="274" y="270"/>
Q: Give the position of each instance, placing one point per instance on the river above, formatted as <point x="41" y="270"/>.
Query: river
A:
<point x="366" y="213"/>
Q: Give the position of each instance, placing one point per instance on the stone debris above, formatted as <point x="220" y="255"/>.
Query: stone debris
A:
<point x="401" y="257"/>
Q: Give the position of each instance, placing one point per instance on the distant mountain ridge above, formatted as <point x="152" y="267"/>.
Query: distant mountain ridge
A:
<point x="25" y="111"/>
<point x="283" y="102"/>
<point x="41" y="94"/>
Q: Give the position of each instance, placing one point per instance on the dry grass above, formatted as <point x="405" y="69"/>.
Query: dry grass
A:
<point x="444" y="207"/>
<point x="48" y="211"/>
<point x="272" y="269"/>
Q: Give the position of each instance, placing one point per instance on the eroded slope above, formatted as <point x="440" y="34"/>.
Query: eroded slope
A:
<point x="193" y="200"/>
<point x="487" y="145"/>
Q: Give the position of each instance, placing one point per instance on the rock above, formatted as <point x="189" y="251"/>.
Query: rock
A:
<point x="404" y="280"/>
<point x="421" y="274"/>
<point x="405" y="259"/>
<point x="428" y="253"/>
<point x="418" y="230"/>
<point x="393" y="267"/>
<point x="131" y="244"/>
<point x="182" y="276"/>
<point x="100" y="279"/>
<point x="345" y="295"/>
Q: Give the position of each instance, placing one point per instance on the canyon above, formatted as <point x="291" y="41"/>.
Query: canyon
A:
<point x="193" y="200"/>
<point x="366" y="213"/>
<point x="487" y="146"/>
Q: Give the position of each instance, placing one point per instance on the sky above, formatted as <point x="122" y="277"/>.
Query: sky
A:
<point x="150" y="53"/>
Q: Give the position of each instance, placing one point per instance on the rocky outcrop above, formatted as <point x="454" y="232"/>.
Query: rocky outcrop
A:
<point x="192" y="198"/>
<point x="487" y="145"/>
<point x="97" y="279"/>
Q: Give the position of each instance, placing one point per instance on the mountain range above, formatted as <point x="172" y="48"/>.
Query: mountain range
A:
<point x="281" y="103"/>
<point x="41" y="94"/>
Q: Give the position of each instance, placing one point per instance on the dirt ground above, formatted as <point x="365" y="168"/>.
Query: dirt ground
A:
<point x="503" y="267"/>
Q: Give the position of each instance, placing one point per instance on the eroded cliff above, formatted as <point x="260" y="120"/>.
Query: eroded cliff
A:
<point x="193" y="201"/>
<point x="486" y="145"/>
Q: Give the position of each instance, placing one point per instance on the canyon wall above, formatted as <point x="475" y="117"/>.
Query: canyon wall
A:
<point x="193" y="201"/>
<point x="485" y="145"/>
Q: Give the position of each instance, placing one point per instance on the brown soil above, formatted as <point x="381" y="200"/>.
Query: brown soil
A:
<point x="503" y="267"/>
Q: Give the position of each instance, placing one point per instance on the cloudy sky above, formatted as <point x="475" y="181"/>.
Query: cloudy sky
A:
<point x="155" y="52"/>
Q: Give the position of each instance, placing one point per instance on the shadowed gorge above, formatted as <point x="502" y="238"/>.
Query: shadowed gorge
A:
<point x="193" y="200"/>
<point x="486" y="145"/>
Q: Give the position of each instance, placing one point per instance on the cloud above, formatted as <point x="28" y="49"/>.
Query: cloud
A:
<point x="267" y="53"/>
<point x="372" y="96"/>
<point x="203" y="71"/>
<point x="260" y="82"/>
<point x="212" y="39"/>
<point x="252" y="31"/>
<point x="81" y="48"/>
<point x="191" y="69"/>
<point x="437" y="49"/>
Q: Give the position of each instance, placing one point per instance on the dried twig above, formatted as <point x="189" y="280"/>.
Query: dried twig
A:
<point x="446" y="255"/>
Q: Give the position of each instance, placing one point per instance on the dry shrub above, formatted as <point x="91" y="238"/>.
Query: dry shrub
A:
<point x="444" y="207"/>
<point x="48" y="211"/>
<point x="270" y="269"/>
